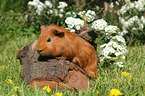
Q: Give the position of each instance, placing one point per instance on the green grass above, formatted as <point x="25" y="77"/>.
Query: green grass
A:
<point x="14" y="34"/>
<point x="135" y="65"/>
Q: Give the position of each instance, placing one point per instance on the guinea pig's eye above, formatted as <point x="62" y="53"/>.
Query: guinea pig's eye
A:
<point x="48" y="40"/>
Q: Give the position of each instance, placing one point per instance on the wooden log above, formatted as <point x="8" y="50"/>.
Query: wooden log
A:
<point x="56" y="73"/>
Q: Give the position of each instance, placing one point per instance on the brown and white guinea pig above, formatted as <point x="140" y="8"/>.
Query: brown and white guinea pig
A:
<point x="55" y="41"/>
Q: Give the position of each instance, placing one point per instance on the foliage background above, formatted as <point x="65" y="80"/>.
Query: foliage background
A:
<point x="16" y="32"/>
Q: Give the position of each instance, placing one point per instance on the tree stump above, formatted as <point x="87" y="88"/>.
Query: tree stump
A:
<point x="56" y="73"/>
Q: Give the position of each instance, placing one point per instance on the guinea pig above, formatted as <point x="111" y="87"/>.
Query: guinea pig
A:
<point x="55" y="41"/>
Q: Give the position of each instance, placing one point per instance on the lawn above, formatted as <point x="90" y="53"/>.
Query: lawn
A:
<point x="15" y="32"/>
<point x="131" y="83"/>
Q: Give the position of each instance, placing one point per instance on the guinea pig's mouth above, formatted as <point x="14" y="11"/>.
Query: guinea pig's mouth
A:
<point x="39" y="51"/>
<point x="42" y="53"/>
<point x="43" y="56"/>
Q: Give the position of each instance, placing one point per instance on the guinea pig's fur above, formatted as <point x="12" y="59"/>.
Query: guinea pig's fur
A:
<point x="56" y="41"/>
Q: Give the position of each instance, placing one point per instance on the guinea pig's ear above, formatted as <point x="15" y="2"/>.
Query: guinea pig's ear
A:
<point x="58" y="33"/>
<point x="42" y="27"/>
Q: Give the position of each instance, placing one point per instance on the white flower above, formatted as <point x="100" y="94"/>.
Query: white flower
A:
<point x="130" y="22"/>
<point x="135" y="18"/>
<point x="102" y="59"/>
<point x="122" y="10"/>
<point x="61" y="10"/>
<point x="74" y="14"/>
<point x="103" y="45"/>
<point x="121" y="20"/>
<point x="38" y="5"/>
<point x="120" y="64"/>
<point x="78" y="22"/>
<point x="68" y="13"/>
<point x="126" y="24"/>
<point x="143" y="19"/>
<point x="67" y="28"/>
<point x="108" y="57"/>
<point x="139" y="5"/>
<point x="48" y="4"/>
<point x="119" y="47"/>
<point x="51" y="11"/>
<point x="131" y="5"/>
<point x="39" y="9"/>
<point x="112" y="5"/>
<point x="60" y="15"/>
<point x="114" y="44"/>
<point x="123" y="57"/>
<point x="99" y="24"/>
<point x="124" y="50"/>
<point x="118" y="12"/>
<point x="80" y="14"/>
<point x="112" y="50"/>
<point x="56" y="12"/>
<point x="124" y="31"/>
<point x="78" y="27"/>
<point x="72" y="30"/>
<point x="105" y="52"/>
<point x="111" y="29"/>
<point x="127" y="1"/>
<point x="110" y="43"/>
<point x="87" y="16"/>
<point x="70" y="25"/>
<point x="91" y="12"/>
<point x="119" y="38"/>
<point x="134" y="29"/>
<point x="74" y="22"/>
<point x="141" y="26"/>
<point x="69" y="20"/>
<point x="118" y="53"/>
<point x="117" y="3"/>
<point x="48" y="12"/>
<point x="62" y="5"/>
<point x="32" y="3"/>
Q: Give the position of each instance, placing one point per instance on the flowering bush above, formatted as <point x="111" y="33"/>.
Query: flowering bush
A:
<point x="87" y="16"/>
<point x="46" y="13"/>
<point x="113" y="49"/>
<point x="131" y="16"/>
<point x="99" y="25"/>
<point x="74" y="23"/>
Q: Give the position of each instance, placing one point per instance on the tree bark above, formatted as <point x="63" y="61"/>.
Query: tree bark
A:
<point x="88" y="35"/>
<point x="56" y="73"/>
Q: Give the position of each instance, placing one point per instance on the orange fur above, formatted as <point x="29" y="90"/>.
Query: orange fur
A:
<point x="65" y="44"/>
